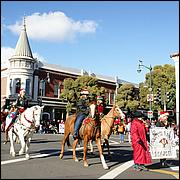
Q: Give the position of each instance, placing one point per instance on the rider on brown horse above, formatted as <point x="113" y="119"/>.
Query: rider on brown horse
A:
<point x="83" y="111"/>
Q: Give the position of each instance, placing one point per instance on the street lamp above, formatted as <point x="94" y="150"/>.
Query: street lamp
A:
<point x="42" y="81"/>
<point x="150" y="84"/>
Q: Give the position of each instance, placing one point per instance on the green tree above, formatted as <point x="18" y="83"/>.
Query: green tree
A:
<point x="72" y="89"/>
<point x="162" y="77"/>
<point x="127" y="97"/>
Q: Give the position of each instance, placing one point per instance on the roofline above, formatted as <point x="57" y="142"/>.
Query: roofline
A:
<point x="174" y="54"/>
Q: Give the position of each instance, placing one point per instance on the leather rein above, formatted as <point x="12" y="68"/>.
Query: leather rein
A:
<point x="29" y="121"/>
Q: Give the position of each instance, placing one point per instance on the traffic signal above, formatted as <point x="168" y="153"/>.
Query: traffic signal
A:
<point x="158" y="96"/>
<point x="156" y="100"/>
<point x="167" y="96"/>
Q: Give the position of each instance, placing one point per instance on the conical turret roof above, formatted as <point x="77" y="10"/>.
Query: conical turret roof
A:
<point x="23" y="49"/>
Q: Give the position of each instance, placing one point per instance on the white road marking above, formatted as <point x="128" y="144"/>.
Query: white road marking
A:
<point x="175" y="168"/>
<point x="24" y="159"/>
<point x="115" y="172"/>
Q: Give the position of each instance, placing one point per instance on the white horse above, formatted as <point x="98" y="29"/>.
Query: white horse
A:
<point x="107" y="124"/>
<point x="24" y="128"/>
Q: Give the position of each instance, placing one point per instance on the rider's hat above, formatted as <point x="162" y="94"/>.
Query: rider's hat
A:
<point x="100" y="98"/>
<point x="137" y="114"/>
<point x="84" y="92"/>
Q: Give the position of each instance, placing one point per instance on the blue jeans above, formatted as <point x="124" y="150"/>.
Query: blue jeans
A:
<point x="122" y="137"/>
<point x="79" y="120"/>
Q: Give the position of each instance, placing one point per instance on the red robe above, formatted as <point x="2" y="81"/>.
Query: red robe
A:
<point x="141" y="152"/>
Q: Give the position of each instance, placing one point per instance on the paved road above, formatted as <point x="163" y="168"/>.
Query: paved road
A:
<point x="45" y="163"/>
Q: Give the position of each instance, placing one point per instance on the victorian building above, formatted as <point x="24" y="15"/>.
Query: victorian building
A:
<point x="44" y="82"/>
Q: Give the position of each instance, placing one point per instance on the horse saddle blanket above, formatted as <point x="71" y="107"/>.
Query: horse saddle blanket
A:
<point x="86" y="120"/>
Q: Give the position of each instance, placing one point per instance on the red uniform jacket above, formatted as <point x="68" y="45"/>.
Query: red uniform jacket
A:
<point x="100" y="109"/>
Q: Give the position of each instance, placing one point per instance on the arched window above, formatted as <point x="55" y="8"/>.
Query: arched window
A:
<point x="18" y="85"/>
<point x="56" y="88"/>
<point x="28" y="81"/>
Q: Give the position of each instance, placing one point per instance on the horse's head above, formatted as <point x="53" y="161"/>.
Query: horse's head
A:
<point x="37" y="110"/>
<point x="118" y="112"/>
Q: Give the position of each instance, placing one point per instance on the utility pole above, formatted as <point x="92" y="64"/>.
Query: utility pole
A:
<point x="150" y="86"/>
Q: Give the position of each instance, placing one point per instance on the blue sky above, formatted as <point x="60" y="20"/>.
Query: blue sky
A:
<point x="105" y="37"/>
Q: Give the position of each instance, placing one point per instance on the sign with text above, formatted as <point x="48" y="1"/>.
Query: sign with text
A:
<point x="61" y="128"/>
<point x="150" y="97"/>
<point x="162" y="143"/>
<point x="150" y="114"/>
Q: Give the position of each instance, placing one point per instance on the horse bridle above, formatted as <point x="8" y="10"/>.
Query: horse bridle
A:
<point x="107" y="117"/>
<point x="31" y="122"/>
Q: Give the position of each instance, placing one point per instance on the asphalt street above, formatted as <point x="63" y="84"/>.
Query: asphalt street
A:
<point x="45" y="162"/>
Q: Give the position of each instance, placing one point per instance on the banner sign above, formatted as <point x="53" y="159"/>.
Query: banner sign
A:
<point x="61" y="128"/>
<point x="162" y="143"/>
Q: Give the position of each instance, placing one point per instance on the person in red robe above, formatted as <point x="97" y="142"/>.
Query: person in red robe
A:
<point x="141" y="154"/>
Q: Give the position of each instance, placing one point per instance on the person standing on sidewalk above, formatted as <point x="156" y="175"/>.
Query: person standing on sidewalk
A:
<point x="141" y="154"/>
<point x="128" y="127"/>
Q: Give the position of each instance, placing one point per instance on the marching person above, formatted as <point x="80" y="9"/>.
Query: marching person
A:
<point x="162" y="122"/>
<point x="83" y="111"/>
<point x="4" y="112"/>
<point x="128" y="127"/>
<point x="121" y="130"/>
<point x="139" y="143"/>
<point x="6" y="106"/>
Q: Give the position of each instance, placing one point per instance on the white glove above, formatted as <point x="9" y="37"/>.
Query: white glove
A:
<point x="6" y="110"/>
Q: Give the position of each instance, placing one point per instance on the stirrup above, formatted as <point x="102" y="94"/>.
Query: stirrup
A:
<point x="75" y="136"/>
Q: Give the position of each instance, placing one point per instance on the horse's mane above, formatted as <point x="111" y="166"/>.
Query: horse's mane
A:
<point x="112" y="110"/>
<point x="28" y="111"/>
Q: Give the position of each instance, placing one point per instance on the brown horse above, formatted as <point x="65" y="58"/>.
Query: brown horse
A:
<point x="107" y="124"/>
<point x="90" y="130"/>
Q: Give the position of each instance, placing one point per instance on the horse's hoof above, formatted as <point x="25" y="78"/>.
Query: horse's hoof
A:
<point x="76" y="160"/>
<point x="27" y="157"/>
<point x="105" y="167"/>
<point x="21" y="152"/>
<point x="61" y="156"/>
<point x="13" y="154"/>
<point x="86" y="164"/>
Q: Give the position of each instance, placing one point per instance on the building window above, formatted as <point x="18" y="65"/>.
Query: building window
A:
<point x="27" y="64"/>
<point x="10" y="84"/>
<point x="111" y="98"/>
<point x="16" y="63"/>
<point x="107" y="98"/>
<point x="56" y="89"/>
<point x="42" y="88"/>
<point x="28" y="83"/>
<point x="18" y="85"/>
